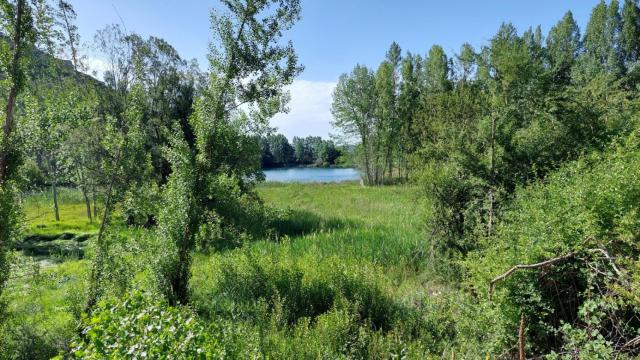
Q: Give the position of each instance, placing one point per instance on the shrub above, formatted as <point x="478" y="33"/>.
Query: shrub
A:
<point x="138" y="326"/>
<point x="591" y="204"/>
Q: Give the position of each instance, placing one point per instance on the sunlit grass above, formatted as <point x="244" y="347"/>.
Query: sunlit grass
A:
<point x="383" y="225"/>
<point x="354" y="241"/>
<point x="40" y="216"/>
<point x="44" y="302"/>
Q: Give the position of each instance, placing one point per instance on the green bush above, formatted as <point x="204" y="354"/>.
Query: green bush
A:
<point x="138" y="326"/>
<point x="588" y="205"/>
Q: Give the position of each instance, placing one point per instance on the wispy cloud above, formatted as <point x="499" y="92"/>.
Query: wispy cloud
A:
<point x="95" y="67"/>
<point x="310" y="110"/>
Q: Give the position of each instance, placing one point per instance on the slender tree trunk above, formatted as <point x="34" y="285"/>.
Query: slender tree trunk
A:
<point x="13" y="92"/>
<point x="521" y="339"/>
<point x="390" y="162"/>
<point x="367" y="165"/>
<point x="87" y="203"/>
<point x="85" y="195"/>
<point x="54" y="190"/>
<point x="493" y="176"/>
<point x="95" y="203"/>
<point x="96" y="270"/>
<point x="379" y="176"/>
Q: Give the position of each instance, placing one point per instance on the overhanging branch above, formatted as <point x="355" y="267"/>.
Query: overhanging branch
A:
<point x="549" y="262"/>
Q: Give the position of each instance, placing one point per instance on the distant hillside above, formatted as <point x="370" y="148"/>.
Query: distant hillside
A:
<point x="44" y="65"/>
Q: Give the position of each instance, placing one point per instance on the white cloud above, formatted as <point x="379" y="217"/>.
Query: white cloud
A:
<point x="310" y="110"/>
<point x="95" y="67"/>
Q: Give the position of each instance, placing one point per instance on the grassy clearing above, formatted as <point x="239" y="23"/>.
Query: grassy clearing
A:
<point x="40" y="218"/>
<point x="328" y="230"/>
<point x="348" y="262"/>
<point x="381" y="225"/>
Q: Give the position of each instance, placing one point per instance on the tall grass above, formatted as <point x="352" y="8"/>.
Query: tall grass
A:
<point x="343" y="272"/>
<point x="40" y="217"/>
<point x="383" y="225"/>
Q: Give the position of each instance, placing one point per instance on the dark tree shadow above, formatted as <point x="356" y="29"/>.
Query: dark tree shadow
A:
<point x="302" y="222"/>
<point x="54" y="246"/>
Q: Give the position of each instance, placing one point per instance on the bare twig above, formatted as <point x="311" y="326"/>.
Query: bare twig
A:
<point x="509" y="272"/>
<point x="632" y="344"/>
<point x="605" y="253"/>
<point x="552" y="261"/>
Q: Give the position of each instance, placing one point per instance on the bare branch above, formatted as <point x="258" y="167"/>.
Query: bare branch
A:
<point x="552" y="261"/>
<point x="509" y="272"/>
<point x="610" y="259"/>
<point x="632" y="344"/>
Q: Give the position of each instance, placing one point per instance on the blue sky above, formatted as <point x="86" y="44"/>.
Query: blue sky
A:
<point x="334" y="35"/>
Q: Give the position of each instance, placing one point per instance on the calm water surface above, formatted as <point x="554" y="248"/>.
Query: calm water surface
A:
<point x="306" y="175"/>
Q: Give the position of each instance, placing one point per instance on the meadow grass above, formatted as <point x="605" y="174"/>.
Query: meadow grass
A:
<point x="339" y="249"/>
<point x="44" y="302"/>
<point x="383" y="225"/>
<point x="340" y="227"/>
<point x="40" y="217"/>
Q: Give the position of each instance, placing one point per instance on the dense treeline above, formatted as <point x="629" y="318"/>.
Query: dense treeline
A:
<point x="476" y="127"/>
<point x="312" y="150"/>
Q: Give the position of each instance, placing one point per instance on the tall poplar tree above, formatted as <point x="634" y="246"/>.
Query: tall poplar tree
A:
<point x="352" y="107"/>
<point x="26" y="25"/>
<point x="385" y="120"/>
<point x="563" y="46"/>
<point x="250" y="66"/>
<point x="17" y="23"/>
<point x="437" y="70"/>
<point x="602" y="40"/>
<point x="408" y="100"/>
<point x="630" y="32"/>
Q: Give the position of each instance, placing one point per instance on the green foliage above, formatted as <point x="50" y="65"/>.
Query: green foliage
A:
<point x="591" y="204"/>
<point x="353" y="106"/>
<point x="313" y="150"/>
<point x="211" y="181"/>
<point x="563" y="45"/>
<point x="277" y="151"/>
<point x="630" y="32"/>
<point x="305" y="292"/>
<point x="10" y="219"/>
<point x="39" y="322"/>
<point x="140" y="326"/>
<point x="522" y="151"/>
<point x="178" y="220"/>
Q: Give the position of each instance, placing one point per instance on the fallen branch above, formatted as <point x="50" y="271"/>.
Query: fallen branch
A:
<point x="552" y="261"/>
<point x="509" y="272"/>
<point x="632" y="344"/>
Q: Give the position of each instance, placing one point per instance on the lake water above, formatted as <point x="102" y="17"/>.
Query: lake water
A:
<point x="306" y="175"/>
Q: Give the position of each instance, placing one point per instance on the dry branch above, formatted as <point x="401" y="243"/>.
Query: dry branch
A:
<point x="632" y="344"/>
<point x="605" y="253"/>
<point x="509" y="272"/>
<point x="552" y="261"/>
